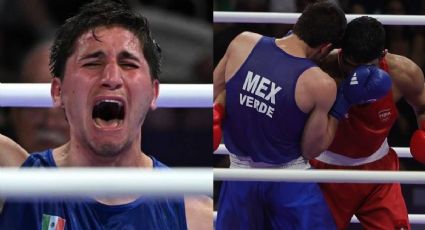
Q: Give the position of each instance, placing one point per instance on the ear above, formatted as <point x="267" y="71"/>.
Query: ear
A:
<point x="155" y="85"/>
<point x="56" y="92"/>
<point x="321" y="52"/>
<point x="326" y="48"/>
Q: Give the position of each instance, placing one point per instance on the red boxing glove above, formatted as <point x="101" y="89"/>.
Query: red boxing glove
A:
<point x="417" y="144"/>
<point x="218" y="115"/>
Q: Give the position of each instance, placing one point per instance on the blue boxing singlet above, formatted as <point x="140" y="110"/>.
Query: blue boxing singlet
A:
<point x="88" y="214"/>
<point x="263" y="128"/>
<point x="262" y="118"/>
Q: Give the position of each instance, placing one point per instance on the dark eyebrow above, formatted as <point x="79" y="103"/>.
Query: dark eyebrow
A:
<point x="93" y="55"/>
<point x="127" y="55"/>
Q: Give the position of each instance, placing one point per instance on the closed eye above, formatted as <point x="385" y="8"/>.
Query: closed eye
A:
<point x="129" y="66"/>
<point x="91" y="64"/>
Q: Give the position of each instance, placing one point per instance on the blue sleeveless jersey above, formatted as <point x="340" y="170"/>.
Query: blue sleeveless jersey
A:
<point x="262" y="119"/>
<point x="88" y="214"/>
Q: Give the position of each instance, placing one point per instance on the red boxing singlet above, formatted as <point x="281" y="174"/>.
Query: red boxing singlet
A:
<point x="365" y="127"/>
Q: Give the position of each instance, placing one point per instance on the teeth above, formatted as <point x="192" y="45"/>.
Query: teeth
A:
<point x="108" y="109"/>
<point x="110" y="101"/>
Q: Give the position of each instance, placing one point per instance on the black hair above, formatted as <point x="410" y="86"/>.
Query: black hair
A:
<point x="364" y="40"/>
<point x="320" y="23"/>
<point x="103" y="13"/>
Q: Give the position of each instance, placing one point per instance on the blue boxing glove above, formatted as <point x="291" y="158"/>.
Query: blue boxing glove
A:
<point x="367" y="83"/>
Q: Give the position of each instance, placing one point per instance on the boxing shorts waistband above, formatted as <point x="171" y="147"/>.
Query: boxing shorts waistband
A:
<point x="333" y="158"/>
<point x="247" y="162"/>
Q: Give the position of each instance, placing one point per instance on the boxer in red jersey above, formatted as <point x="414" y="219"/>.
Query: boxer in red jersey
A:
<point x="360" y="141"/>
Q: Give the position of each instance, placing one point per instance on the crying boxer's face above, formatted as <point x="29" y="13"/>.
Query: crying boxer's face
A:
<point x="107" y="91"/>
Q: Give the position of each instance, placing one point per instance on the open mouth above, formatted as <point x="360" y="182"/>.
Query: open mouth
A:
<point x="108" y="113"/>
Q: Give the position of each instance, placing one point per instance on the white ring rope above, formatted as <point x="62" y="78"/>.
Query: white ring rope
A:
<point x="319" y="175"/>
<point x="402" y="152"/>
<point x="66" y="182"/>
<point x="413" y="218"/>
<point x="291" y="18"/>
<point x="170" y="95"/>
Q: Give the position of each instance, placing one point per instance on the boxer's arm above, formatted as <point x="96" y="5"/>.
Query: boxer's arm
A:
<point x="219" y="76"/>
<point x="11" y="154"/>
<point x="320" y="128"/>
<point x="199" y="212"/>
<point x="410" y="82"/>
<point x="221" y="98"/>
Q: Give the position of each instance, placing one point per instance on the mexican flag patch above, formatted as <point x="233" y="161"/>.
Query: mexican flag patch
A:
<point x="52" y="223"/>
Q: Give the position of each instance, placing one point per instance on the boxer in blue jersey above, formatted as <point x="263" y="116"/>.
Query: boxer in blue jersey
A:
<point x="142" y="213"/>
<point x="105" y="68"/>
<point x="278" y="110"/>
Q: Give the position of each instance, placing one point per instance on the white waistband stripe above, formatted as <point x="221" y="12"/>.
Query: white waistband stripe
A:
<point x="338" y="159"/>
<point x="247" y="162"/>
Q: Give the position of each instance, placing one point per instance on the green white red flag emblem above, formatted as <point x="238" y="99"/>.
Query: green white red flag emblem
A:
<point x="52" y="223"/>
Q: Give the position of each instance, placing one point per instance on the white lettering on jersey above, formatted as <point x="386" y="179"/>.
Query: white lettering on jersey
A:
<point x="259" y="106"/>
<point x="250" y="83"/>
<point x="263" y="88"/>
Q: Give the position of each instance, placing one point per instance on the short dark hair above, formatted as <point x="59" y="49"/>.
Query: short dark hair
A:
<point x="103" y="13"/>
<point x="364" y="40"/>
<point x="320" y="23"/>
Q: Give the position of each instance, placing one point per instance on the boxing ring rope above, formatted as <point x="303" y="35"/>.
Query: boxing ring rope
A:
<point x="291" y="18"/>
<point x="413" y="218"/>
<point x="170" y="96"/>
<point x="105" y="181"/>
<point x="319" y="175"/>
<point x="84" y="182"/>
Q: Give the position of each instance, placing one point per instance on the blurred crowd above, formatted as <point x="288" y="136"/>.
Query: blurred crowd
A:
<point x="404" y="40"/>
<point x="178" y="137"/>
